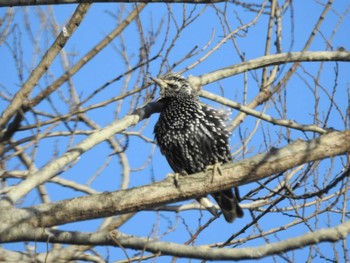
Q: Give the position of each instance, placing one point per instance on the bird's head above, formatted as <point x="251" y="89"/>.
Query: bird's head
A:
<point x="175" y="85"/>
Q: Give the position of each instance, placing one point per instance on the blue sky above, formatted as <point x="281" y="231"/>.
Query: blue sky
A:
<point x="299" y="96"/>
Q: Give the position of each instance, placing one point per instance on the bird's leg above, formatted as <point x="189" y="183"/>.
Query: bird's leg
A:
<point x="175" y="177"/>
<point x="216" y="168"/>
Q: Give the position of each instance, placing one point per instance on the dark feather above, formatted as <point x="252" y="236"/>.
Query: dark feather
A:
<point x="192" y="135"/>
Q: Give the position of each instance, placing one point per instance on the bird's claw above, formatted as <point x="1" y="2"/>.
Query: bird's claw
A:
<point x="175" y="177"/>
<point x="216" y="169"/>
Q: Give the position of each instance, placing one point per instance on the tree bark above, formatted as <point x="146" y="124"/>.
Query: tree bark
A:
<point x="14" y="220"/>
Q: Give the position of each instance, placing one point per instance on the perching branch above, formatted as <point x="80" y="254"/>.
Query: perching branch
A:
<point x="160" y="193"/>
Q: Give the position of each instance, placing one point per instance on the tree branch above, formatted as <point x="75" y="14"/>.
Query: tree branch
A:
<point x="11" y="3"/>
<point x="270" y="60"/>
<point x="204" y="252"/>
<point x="52" y="168"/>
<point x="160" y="193"/>
<point x="261" y="115"/>
<point x="46" y="61"/>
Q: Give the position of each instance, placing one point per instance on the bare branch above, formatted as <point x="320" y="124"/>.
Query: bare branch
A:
<point x="191" y="186"/>
<point x="261" y="115"/>
<point x="51" y="169"/>
<point x="10" y="3"/>
<point x="270" y="60"/>
<point x="49" y="56"/>
<point x="291" y="158"/>
<point x="204" y="252"/>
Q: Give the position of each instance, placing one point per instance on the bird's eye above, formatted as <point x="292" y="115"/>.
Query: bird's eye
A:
<point x="172" y="85"/>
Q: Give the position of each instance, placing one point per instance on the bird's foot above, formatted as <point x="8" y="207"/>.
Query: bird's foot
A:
<point x="175" y="177"/>
<point x="216" y="169"/>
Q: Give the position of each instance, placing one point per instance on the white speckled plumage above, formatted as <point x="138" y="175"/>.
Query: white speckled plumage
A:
<point x="192" y="135"/>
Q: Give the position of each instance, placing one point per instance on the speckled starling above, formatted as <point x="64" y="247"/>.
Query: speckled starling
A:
<point x="192" y="136"/>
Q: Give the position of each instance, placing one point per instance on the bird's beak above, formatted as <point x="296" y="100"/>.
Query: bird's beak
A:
<point x="161" y="83"/>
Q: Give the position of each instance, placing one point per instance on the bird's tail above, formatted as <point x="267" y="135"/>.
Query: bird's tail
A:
<point x="229" y="205"/>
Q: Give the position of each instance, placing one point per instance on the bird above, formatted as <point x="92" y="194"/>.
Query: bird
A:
<point x="193" y="136"/>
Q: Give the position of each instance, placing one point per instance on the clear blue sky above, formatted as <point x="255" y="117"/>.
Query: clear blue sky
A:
<point x="108" y="64"/>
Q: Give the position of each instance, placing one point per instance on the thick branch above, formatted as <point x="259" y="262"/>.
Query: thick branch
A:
<point x="115" y="238"/>
<point x="191" y="186"/>
<point x="206" y="253"/>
